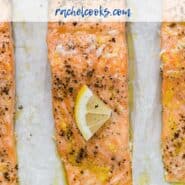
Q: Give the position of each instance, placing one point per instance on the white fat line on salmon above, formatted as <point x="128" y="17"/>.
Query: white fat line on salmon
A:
<point x="90" y="48"/>
<point x="174" y="71"/>
<point x="60" y="49"/>
<point x="99" y="51"/>
<point x="113" y="32"/>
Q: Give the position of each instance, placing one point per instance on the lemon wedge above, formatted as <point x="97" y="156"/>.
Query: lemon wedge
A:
<point x="90" y="112"/>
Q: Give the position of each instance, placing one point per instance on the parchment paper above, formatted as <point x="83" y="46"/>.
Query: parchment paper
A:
<point x="38" y="161"/>
<point x="147" y="165"/>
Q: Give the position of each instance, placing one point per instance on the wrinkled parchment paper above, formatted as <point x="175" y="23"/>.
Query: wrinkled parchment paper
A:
<point x="38" y="162"/>
<point x="146" y="117"/>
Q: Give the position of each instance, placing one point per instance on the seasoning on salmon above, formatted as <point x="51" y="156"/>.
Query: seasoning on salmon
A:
<point x="8" y="162"/>
<point x="95" y="55"/>
<point x="173" y="100"/>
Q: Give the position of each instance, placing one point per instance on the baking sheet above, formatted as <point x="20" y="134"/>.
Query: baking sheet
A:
<point x="38" y="161"/>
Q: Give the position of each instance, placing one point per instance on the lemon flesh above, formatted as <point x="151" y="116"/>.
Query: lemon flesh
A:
<point x="90" y="112"/>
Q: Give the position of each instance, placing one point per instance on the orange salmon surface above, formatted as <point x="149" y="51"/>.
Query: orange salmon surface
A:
<point x="173" y="100"/>
<point x="8" y="162"/>
<point x="95" y="55"/>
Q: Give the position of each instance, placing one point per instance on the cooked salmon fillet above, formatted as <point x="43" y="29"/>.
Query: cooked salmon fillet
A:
<point x="92" y="54"/>
<point x="8" y="162"/>
<point x="173" y="100"/>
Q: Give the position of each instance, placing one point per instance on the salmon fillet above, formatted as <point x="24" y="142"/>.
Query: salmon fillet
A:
<point x="92" y="54"/>
<point x="173" y="100"/>
<point x="8" y="162"/>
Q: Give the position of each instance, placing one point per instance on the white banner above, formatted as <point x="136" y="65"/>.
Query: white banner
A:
<point x="92" y="11"/>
